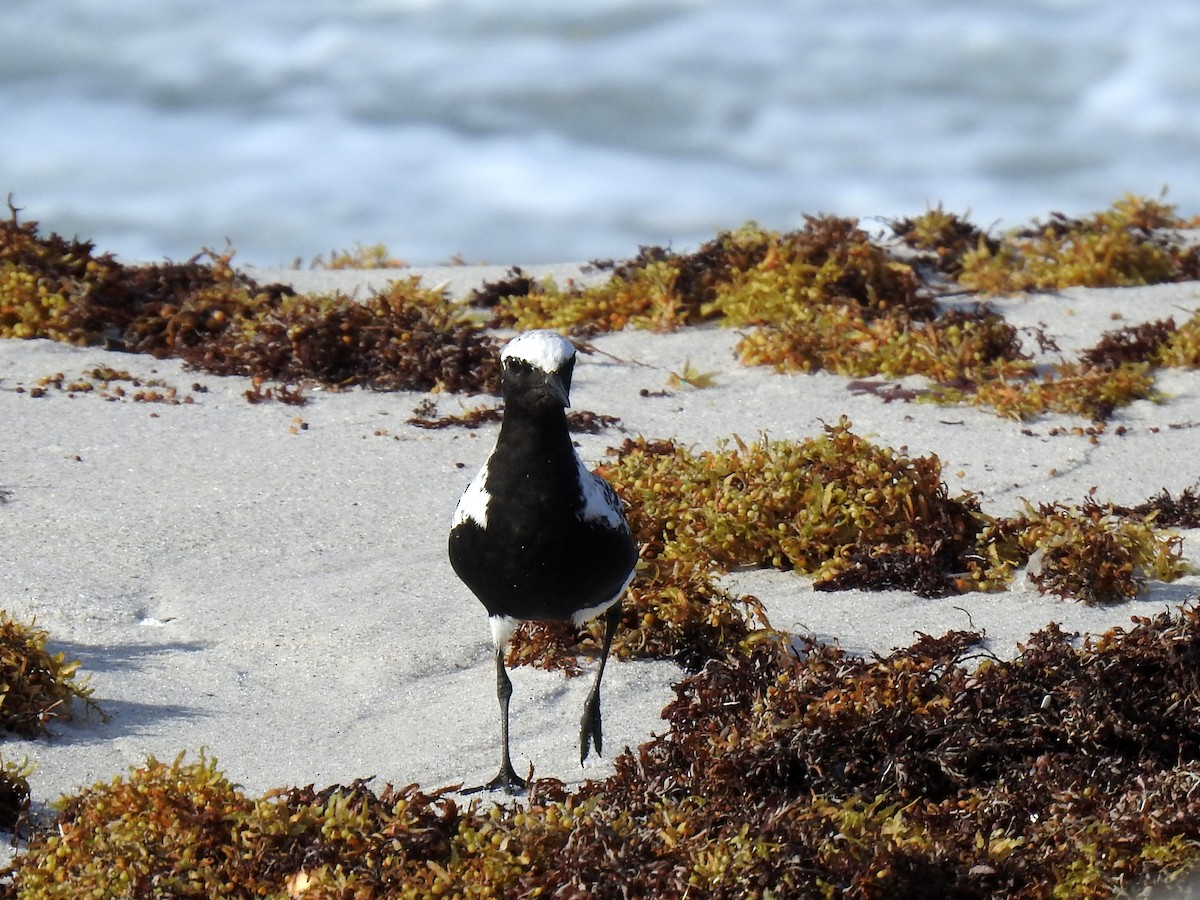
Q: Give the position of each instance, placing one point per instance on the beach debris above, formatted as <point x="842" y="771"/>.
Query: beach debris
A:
<point x="691" y="376"/>
<point x="935" y="770"/>
<point x="825" y="296"/>
<point x="1134" y="242"/>
<point x="362" y="256"/>
<point x="36" y="686"/>
<point x="220" y="321"/>
<point x="14" y="793"/>
<point x="109" y="384"/>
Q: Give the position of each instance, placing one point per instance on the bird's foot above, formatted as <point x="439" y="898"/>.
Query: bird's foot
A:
<point x="506" y="780"/>
<point x="590" y="731"/>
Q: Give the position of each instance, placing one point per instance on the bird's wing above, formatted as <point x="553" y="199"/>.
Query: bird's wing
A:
<point x="600" y="501"/>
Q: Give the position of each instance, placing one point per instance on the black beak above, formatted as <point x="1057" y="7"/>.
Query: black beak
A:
<point x="557" y="388"/>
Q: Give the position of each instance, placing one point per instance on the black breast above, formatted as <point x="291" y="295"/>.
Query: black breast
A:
<point x="536" y="558"/>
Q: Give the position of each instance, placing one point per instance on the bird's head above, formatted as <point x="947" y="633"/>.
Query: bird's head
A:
<point x="537" y="367"/>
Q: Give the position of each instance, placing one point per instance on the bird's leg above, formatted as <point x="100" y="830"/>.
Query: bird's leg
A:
<point x="506" y="779"/>
<point x="590" y="731"/>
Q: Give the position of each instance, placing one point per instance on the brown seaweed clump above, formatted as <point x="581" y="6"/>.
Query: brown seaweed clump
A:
<point x="14" y="793"/>
<point x="933" y="771"/>
<point x="1131" y="243"/>
<point x="204" y="312"/>
<point x="36" y="686"/>
<point x="942" y="239"/>
<point x="1167" y="511"/>
<point x="1093" y="553"/>
<point x="853" y="515"/>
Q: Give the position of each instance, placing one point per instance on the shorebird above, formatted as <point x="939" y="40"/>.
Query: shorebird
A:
<point x="537" y="535"/>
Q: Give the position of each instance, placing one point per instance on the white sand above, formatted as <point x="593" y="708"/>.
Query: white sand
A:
<point x="280" y="595"/>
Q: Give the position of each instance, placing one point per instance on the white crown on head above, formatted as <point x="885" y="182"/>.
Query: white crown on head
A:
<point x="547" y="350"/>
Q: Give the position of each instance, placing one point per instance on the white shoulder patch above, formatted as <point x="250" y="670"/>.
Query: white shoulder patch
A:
<point x="600" y="501"/>
<point x="474" y="502"/>
<point x="547" y="350"/>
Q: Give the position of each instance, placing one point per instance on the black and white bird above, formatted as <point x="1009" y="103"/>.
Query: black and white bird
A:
<point x="537" y="535"/>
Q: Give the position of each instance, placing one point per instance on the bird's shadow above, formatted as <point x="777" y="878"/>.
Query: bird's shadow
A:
<point x="109" y="717"/>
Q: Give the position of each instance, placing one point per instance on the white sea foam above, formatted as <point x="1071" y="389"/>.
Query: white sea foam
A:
<point x="545" y="131"/>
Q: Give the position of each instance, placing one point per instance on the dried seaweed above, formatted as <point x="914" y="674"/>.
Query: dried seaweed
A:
<point x="933" y="771"/>
<point x="1134" y="344"/>
<point x="36" y="686"/>
<point x="515" y="284"/>
<point x="476" y="417"/>
<point x="14" y="793"/>
<point x="204" y="312"/>
<point x="942" y="238"/>
<point x="584" y="421"/>
<point x="1131" y="243"/>
<point x="1167" y="511"/>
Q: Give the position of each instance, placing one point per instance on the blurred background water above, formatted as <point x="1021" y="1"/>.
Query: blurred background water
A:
<point x="542" y="130"/>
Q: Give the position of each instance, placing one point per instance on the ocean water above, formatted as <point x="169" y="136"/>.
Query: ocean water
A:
<point x="544" y="131"/>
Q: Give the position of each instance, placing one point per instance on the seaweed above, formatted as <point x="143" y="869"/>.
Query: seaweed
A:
<point x="1131" y="243"/>
<point x="942" y="238"/>
<point x="1093" y="553"/>
<point x="36" y="686"/>
<point x="742" y="275"/>
<point x="1141" y="343"/>
<point x="1095" y="392"/>
<point x="217" y="320"/>
<point x="804" y="505"/>
<point x="935" y="770"/>
<point x="578" y="421"/>
<point x="363" y="256"/>
<point x="825" y="296"/>
<point x="1167" y="511"/>
<point x="476" y="417"/>
<point x="14" y="793"/>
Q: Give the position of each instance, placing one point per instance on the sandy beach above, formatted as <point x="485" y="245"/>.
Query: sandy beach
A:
<point x="269" y="582"/>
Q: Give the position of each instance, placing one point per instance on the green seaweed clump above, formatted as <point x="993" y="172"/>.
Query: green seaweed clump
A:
<point x="957" y="347"/>
<point x="829" y="262"/>
<point x="829" y="298"/>
<point x="1091" y="553"/>
<point x="36" y="686"/>
<point x="659" y="289"/>
<point x="183" y="829"/>
<point x="941" y="238"/>
<point x="933" y="771"/>
<point x="368" y="256"/>
<point x="747" y="275"/>
<point x="644" y="297"/>
<point x="1128" y="244"/>
<point x="1181" y="348"/>
<point x="166" y="830"/>
<point x="807" y="505"/>
<point x="856" y="515"/>
<point x="1094" y="392"/>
